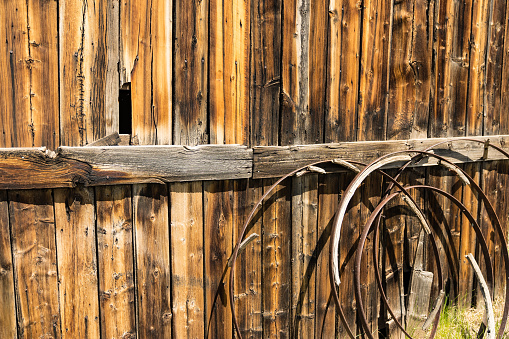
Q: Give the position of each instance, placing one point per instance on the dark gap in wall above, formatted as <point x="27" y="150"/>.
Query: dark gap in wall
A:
<point x="125" y="114"/>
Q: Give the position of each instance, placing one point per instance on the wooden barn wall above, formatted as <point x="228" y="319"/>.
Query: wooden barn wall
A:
<point x="150" y="260"/>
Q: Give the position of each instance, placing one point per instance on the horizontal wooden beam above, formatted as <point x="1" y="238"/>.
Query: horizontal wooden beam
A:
<point x="111" y="165"/>
<point x="272" y="161"/>
<point x="30" y="168"/>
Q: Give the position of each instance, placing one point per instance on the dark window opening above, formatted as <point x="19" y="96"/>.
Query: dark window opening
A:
<point x="125" y="117"/>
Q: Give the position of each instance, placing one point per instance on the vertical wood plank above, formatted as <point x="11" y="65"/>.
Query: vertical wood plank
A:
<point x="229" y="71"/>
<point x="112" y="83"/>
<point x="451" y="51"/>
<point x="468" y="241"/>
<point x="218" y="232"/>
<point x="265" y="71"/>
<point x="187" y="260"/>
<point x="477" y="68"/>
<point x="191" y="70"/>
<point x="504" y="107"/>
<point x="162" y="63"/>
<point x="373" y="88"/>
<point x="15" y="106"/>
<point x="115" y="261"/>
<point x="304" y="57"/>
<point x="33" y="244"/>
<point x="349" y="238"/>
<point x="276" y="262"/>
<point x="42" y="33"/>
<point x="7" y="292"/>
<point x="248" y="282"/>
<point x="494" y="66"/>
<point x="344" y="51"/>
<point x="328" y="199"/>
<point x="84" y="71"/>
<point x="304" y="230"/>
<point x="410" y="70"/>
<point x="77" y="262"/>
<point x="150" y="209"/>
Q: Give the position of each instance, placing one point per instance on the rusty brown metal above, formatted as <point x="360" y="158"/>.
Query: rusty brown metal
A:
<point x="412" y="156"/>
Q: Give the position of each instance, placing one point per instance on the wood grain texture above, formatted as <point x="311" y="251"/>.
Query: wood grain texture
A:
<point x="218" y="234"/>
<point x="153" y="275"/>
<point x="191" y="70"/>
<point x="271" y="161"/>
<point x="265" y="71"/>
<point x="410" y="69"/>
<point x="187" y="259"/>
<point x="344" y="59"/>
<point x="248" y="282"/>
<point x="77" y="262"/>
<point x="328" y="199"/>
<point x="115" y="261"/>
<point x="374" y="77"/>
<point x="229" y="52"/>
<point x="43" y="56"/>
<point x="303" y="245"/>
<point x="494" y="66"/>
<point x="276" y="267"/>
<point x="451" y="50"/>
<point x="15" y="106"/>
<point x="303" y="68"/>
<point x="84" y="71"/>
<point x="477" y="71"/>
<point x="468" y="239"/>
<point x="35" y="265"/>
<point x="347" y="246"/>
<point x="8" y="324"/>
<point x="28" y="168"/>
<point x="161" y="27"/>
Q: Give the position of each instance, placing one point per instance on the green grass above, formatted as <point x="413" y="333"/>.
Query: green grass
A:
<point x="463" y="323"/>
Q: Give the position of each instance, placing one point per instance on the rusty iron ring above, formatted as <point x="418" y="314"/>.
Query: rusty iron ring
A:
<point x="475" y="225"/>
<point x="358" y="261"/>
<point x="489" y="209"/>
<point x="234" y="255"/>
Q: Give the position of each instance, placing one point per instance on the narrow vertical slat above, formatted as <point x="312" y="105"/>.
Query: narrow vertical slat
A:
<point x="373" y="88"/>
<point x="187" y="260"/>
<point x="190" y="72"/>
<point x="112" y="82"/>
<point x="276" y="274"/>
<point x="451" y="51"/>
<point x="33" y="244"/>
<point x="190" y="99"/>
<point x="15" y="61"/>
<point x="344" y="54"/>
<point x="468" y="240"/>
<point x="504" y="107"/>
<point x="153" y="276"/>
<point x="303" y="69"/>
<point x="328" y="199"/>
<point x="77" y="262"/>
<point x="477" y="68"/>
<point x="410" y="70"/>
<point x="265" y="71"/>
<point x="304" y="230"/>
<point x="7" y="292"/>
<point x="115" y="261"/>
<point x="349" y="237"/>
<point x="494" y="66"/>
<point x="162" y="63"/>
<point x="84" y="72"/>
<point x="218" y="234"/>
<point x="248" y="282"/>
<point x="43" y="51"/>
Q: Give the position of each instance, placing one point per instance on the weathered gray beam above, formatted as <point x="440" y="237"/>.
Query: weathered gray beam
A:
<point x="274" y="161"/>
<point x="22" y="168"/>
<point x="111" y="165"/>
